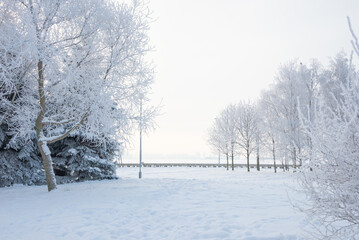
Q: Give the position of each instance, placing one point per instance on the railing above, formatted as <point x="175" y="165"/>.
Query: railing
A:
<point x="204" y="165"/>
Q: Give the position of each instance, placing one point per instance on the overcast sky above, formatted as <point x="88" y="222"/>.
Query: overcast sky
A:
<point x="210" y="53"/>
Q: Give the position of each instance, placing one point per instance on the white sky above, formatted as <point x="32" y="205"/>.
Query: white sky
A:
<point x="210" y="53"/>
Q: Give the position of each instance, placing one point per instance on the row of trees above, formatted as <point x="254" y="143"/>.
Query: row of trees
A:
<point x="273" y="126"/>
<point x="236" y="129"/>
<point x="309" y="117"/>
<point x="72" y="68"/>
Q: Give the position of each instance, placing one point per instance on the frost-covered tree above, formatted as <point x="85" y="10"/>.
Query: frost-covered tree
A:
<point x="82" y="65"/>
<point x="295" y="89"/>
<point x="13" y="62"/>
<point x="259" y="134"/>
<point x="287" y="94"/>
<point x="223" y="134"/>
<point x="270" y="126"/>
<point x="330" y="176"/>
<point x="333" y="77"/>
<point x="236" y="128"/>
<point x="311" y="77"/>
<point x="230" y="131"/>
<point x="247" y="128"/>
<point x="19" y="162"/>
<point x="216" y="138"/>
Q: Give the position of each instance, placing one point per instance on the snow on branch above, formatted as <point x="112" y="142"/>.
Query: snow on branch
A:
<point x="60" y="137"/>
<point x="50" y="122"/>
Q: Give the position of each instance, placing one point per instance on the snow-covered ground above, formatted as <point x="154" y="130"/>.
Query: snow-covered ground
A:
<point x="168" y="203"/>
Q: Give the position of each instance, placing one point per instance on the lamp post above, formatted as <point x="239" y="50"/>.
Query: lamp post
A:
<point x="140" y="172"/>
<point x="219" y="147"/>
<point x="219" y="157"/>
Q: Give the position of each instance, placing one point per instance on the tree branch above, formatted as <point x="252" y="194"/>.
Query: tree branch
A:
<point x="58" y="138"/>
<point x="49" y="122"/>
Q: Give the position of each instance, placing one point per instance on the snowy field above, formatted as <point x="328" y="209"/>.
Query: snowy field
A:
<point x="168" y="203"/>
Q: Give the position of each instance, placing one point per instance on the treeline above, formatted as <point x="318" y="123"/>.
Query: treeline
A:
<point x="72" y="76"/>
<point x="308" y="118"/>
<point x="275" y="124"/>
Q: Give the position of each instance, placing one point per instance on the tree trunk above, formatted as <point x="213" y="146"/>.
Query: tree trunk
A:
<point x="286" y="161"/>
<point x="257" y="142"/>
<point x="248" y="161"/>
<point x="219" y="158"/>
<point x="47" y="160"/>
<point x="227" y="162"/>
<point x="294" y="158"/>
<point x="273" y="151"/>
<point x="44" y="150"/>
<point x="287" y="167"/>
<point x="232" y="161"/>
<point x="283" y="166"/>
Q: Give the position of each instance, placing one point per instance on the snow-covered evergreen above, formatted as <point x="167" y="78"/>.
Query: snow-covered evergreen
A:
<point x="74" y="159"/>
<point x="19" y="163"/>
<point x="77" y="159"/>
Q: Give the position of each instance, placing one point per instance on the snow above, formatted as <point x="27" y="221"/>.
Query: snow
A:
<point x="46" y="149"/>
<point x="73" y="151"/>
<point x="167" y="203"/>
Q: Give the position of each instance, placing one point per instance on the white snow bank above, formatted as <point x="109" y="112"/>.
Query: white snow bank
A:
<point x="168" y="203"/>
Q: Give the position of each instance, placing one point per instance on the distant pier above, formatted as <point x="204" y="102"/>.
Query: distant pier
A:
<point x="203" y="165"/>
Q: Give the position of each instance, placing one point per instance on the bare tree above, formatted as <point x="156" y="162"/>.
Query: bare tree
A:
<point x="216" y="138"/>
<point x="247" y="127"/>
<point x="223" y="134"/>
<point x="229" y="116"/>
<point x="269" y="121"/>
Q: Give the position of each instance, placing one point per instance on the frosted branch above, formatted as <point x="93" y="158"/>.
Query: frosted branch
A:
<point x="60" y="137"/>
<point x="49" y="122"/>
<point x="355" y="43"/>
